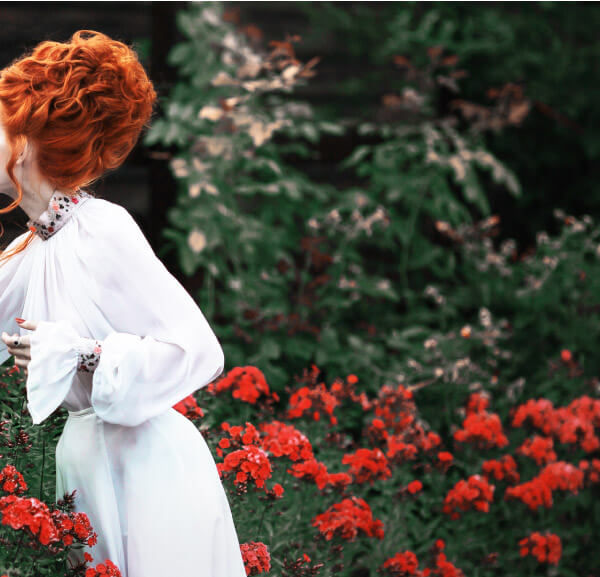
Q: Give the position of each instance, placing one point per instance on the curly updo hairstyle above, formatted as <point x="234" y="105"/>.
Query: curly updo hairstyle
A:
<point x="82" y="103"/>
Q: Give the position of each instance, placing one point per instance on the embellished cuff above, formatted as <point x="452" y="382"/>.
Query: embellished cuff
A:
<point x="88" y="354"/>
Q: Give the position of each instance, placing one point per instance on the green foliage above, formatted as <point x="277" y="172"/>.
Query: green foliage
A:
<point x="546" y="51"/>
<point x="307" y="266"/>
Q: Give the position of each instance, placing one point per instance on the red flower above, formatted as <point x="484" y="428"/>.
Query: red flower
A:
<point x="573" y="424"/>
<point x="402" y="564"/>
<point x="540" y="449"/>
<point x="482" y="429"/>
<point x="396" y="408"/>
<point x="414" y="487"/>
<point x="238" y="436"/>
<point x="248" y="463"/>
<point x="107" y="568"/>
<point x="311" y="469"/>
<point x="399" y="451"/>
<point x="282" y="440"/>
<point x="189" y="408"/>
<point x="347" y="518"/>
<point x="545" y="548"/>
<point x="474" y="493"/>
<point x="538" y="491"/>
<point x="367" y="465"/>
<point x="315" y="400"/>
<point x="246" y="383"/>
<point x="256" y="557"/>
<point x="504" y="468"/>
<point x="277" y="490"/>
<point x="591" y="471"/>
<point x="477" y="403"/>
<point x="12" y="481"/>
<point x="445" y="459"/>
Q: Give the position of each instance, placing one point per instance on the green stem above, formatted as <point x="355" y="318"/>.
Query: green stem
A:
<point x="262" y="517"/>
<point x="19" y="546"/>
<point x="43" y="467"/>
<point x="16" y="453"/>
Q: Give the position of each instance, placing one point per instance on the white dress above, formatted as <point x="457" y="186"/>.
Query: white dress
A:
<point x="143" y="472"/>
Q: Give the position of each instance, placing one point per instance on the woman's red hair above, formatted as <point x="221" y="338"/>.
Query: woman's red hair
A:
<point x="82" y="103"/>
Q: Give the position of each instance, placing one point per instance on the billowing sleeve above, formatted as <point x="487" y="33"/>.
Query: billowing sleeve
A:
<point x="159" y="348"/>
<point x="13" y="285"/>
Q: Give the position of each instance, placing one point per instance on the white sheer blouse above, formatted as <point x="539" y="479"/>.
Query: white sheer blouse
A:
<point x="96" y="276"/>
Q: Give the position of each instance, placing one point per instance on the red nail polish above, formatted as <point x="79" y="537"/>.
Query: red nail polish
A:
<point x="19" y="320"/>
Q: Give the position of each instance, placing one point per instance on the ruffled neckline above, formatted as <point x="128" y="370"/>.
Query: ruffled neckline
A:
<point x="60" y="209"/>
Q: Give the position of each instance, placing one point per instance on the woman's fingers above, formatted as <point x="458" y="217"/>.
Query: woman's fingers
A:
<point x="22" y="350"/>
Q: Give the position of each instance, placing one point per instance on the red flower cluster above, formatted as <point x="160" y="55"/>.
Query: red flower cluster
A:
<point x="406" y="564"/>
<point x="338" y="480"/>
<point x="48" y="526"/>
<point x="480" y="427"/>
<point x="562" y="475"/>
<point x="246" y="383"/>
<point x="591" y="471"/>
<point x="573" y="424"/>
<point x="107" y="568"/>
<point x="256" y="557"/>
<point x="395" y="408"/>
<point x="402" y="564"/>
<point x="477" y="403"/>
<point x="540" y="449"/>
<point x="445" y="459"/>
<point x="312" y="470"/>
<point x="316" y="400"/>
<point x="248" y="463"/>
<point x="398" y="451"/>
<point x="534" y="493"/>
<point x="396" y="429"/>
<point x="346" y="390"/>
<point x="367" y="465"/>
<point x="282" y="440"/>
<point x="238" y="437"/>
<point x="74" y="525"/>
<point x="347" y="518"/>
<point x="538" y="491"/>
<point x="503" y="469"/>
<point x="545" y="548"/>
<point x="414" y="487"/>
<point x="443" y="568"/>
<point x="474" y="493"/>
<point x="189" y="408"/>
<point x="376" y="432"/>
<point x="279" y="440"/>
<point x="12" y="481"/>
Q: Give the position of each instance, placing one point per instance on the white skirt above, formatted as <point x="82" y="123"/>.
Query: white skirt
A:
<point x="152" y="494"/>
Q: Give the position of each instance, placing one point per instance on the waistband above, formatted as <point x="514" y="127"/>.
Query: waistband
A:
<point x="82" y="412"/>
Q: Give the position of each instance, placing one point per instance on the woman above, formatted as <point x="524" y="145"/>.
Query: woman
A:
<point x="107" y="332"/>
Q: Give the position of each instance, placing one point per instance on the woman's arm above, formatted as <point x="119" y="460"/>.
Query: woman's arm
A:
<point x="14" y="276"/>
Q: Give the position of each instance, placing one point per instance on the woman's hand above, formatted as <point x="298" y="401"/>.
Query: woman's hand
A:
<point x="21" y="350"/>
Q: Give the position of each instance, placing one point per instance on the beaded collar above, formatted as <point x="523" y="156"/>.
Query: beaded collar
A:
<point x="60" y="208"/>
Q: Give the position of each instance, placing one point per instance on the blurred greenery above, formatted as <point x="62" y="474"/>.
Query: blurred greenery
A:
<point x="548" y="49"/>
<point x="453" y="260"/>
